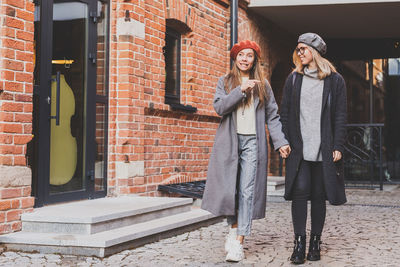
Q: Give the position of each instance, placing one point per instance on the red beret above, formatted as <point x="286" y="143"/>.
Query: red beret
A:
<point x="243" y="45"/>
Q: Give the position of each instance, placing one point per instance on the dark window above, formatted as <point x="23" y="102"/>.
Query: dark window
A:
<point x="172" y="54"/>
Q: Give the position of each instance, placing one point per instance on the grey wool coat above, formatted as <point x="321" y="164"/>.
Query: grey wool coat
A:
<point x="333" y="133"/>
<point x="219" y="194"/>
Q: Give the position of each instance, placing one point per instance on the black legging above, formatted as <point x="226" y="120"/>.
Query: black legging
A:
<point x="309" y="184"/>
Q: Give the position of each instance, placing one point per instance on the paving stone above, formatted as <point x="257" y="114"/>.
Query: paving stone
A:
<point x="83" y="264"/>
<point x="35" y="256"/>
<point x="361" y="233"/>
<point x="22" y="262"/>
<point x="38" y="264"/>
<point x="92" y="260"/>
<point x="52" y="257"/>
<point x="10" y="254"/>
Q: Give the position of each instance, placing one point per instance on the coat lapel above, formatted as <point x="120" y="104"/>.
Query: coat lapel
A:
<point x="256" y="102"/>
<point x="296" y="93"/>
<point x="325" y="93"/>
<point x="296" y="99"/>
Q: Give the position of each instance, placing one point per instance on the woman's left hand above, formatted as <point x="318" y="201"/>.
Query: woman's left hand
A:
<point x="284" y="151"/>
<point x="337" y="155"/>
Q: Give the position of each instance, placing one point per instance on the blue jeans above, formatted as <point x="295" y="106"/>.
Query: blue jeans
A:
<point x="245" y="185"/>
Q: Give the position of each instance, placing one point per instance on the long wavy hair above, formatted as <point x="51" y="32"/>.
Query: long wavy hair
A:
<point x="324" y="66"/>
<point x="233" y="79"/>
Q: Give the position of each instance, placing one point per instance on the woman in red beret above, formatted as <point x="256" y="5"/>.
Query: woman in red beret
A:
<point x="237" y="170"/>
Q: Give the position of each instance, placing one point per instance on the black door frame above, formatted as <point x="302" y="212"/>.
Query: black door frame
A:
<point x="42" y="188"/>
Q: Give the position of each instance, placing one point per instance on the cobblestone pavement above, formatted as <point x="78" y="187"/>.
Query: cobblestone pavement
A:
<point x="364" y="232"/>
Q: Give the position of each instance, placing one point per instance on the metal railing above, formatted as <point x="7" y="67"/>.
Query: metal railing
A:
<point x="363" y="157"/>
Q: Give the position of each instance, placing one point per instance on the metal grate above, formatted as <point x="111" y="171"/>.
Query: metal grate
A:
<point x="363" y="155"/>
<point x="189" y="189"/>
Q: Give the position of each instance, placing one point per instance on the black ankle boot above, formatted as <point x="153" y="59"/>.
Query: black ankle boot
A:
<point x="314" y="250"/>
<point x="299" y="250"/>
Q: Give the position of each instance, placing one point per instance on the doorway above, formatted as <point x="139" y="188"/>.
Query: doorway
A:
<point x="372" y="147"/>
<point x="69" y="148"/>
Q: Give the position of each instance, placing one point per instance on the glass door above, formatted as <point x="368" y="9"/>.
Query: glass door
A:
<point x="69" y="91"/>
<point x="67" y="77"/>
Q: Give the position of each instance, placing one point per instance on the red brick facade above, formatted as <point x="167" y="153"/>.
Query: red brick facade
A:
<point x="149" y="143"/>
<point x="172" y="146"/>
<point x="16" y="68"/>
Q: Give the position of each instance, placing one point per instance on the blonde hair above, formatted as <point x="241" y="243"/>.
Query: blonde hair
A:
<point x="233" y="79"/>
<point x="324" y="66"/>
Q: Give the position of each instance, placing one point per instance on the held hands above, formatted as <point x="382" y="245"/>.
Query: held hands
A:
<point x="248" y="85"/>
<point x="284" y="151"/>
<point x="337" y="155"/>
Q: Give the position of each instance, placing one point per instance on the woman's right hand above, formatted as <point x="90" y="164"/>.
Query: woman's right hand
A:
<point x="248" y="85"/>
<point x="337" y="155"/>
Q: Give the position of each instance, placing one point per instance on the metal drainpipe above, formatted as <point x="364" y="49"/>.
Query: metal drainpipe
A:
<point x="234" y="23"/>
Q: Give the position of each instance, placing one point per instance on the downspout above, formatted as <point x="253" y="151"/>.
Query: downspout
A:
<point x="234" y="23"/>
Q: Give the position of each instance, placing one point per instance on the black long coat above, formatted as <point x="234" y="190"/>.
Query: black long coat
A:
<point x="333" y="132"/>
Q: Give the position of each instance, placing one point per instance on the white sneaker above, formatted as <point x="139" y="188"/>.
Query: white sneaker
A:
<point x="231" y="236"/>
<point x="235" y="253"/>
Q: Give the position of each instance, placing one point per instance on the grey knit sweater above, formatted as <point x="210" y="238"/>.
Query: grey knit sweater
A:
<point x="310" y="114"/>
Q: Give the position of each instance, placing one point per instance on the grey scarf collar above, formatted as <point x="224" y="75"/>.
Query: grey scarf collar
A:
<point x="311" y="73"/>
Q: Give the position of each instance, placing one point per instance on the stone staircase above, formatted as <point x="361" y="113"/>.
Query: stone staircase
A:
<point x="105" y="226"/>
<point x="276" y="186"/>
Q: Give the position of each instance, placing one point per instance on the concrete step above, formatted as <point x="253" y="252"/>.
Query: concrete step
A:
<point x="275" y="183"/>
<point x="111" y="241"/>
<point x="95" y="216"/>
<point x="276" y="193"/>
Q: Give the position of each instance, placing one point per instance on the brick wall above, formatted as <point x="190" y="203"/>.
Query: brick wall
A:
<point x="128" y="57"/>
<point x="16" y="68"/>
<point x="150" y="143"/>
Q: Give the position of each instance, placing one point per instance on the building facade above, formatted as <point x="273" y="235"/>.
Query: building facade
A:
<point x="111" y="98"/>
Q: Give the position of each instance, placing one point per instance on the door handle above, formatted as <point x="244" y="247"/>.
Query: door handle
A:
<point x="90" y="175"/>
<point x="92" y="58"/>
<point x="57" y="116"/>
<point x="93" y="15"/>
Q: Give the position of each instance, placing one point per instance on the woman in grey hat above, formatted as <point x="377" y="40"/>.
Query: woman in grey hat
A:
<point x="313" y="115"/>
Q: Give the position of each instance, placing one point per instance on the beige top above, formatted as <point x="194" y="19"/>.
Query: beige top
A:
<point x="246" y="117"/>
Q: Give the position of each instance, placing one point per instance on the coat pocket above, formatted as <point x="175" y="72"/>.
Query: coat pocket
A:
<point x="339" y="171"/>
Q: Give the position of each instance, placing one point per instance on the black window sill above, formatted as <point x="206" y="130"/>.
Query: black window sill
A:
<point x="186" y="108"/>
